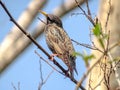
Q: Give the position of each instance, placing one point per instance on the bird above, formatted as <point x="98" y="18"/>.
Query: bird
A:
<point x="59" y="42"/>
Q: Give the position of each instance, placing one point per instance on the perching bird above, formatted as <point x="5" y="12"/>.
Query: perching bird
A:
<point x="59" y="42"/>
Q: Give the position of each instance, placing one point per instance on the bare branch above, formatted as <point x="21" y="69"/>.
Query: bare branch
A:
<point x="44" y="81"/>
<point x="41" y="75"/>
<point x="88" y="17"/>
<point x="14" y="87"/>
<point x="42" y="20"/>
<point x="108" y="15"/>
<point x="88" y="9"/>
<point x="87" y="46"/>
<point x="47" y="62"/>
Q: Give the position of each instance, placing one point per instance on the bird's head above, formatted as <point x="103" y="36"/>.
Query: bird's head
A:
<point x="52" y="19"/>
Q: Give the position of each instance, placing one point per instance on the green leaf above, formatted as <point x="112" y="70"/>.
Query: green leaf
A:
<point x="84" y="56"/>
<point x="97" y="30"/>
<point x="77" y="54"/>
<point x="88" y="57"/>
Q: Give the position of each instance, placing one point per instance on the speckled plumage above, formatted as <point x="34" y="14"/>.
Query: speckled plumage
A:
<point x="59" y="42"/>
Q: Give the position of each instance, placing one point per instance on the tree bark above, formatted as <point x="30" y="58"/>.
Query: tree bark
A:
<point x="109" y="18"/>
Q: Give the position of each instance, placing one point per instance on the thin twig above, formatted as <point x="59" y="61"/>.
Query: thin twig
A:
<point x="13" y="86"/>
<point x="41" y="74"/>
<point x="115" y="45"/>
<point x="18" y="85"/>
<point x="42" y="21"/>
<point x="89" y="13"/>
<point x="73" y="14"/>
<point x="88" y="17"/>
<point x="98" y="84"/>
<point x="44" y="81"/>
<point x="47" y="63"/>
<point x="87" y="46"/>
<point x="108" y="42"/>
<point x="108" y="15"/>
<point x="48" y="76"/>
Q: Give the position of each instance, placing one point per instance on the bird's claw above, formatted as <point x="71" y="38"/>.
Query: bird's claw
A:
<point x="52" y="56"/>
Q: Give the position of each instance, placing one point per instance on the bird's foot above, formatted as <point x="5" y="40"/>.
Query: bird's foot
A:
<point x="52" y="56"/>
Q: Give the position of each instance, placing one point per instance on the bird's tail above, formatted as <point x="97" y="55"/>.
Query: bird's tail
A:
<point x="72" y="71"/>
<point x="76" y="70"/>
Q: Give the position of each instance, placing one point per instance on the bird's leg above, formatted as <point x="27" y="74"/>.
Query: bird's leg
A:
<point x="52" y="56"/>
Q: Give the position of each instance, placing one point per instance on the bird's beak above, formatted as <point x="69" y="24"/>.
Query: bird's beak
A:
<point x="44" y="13"/>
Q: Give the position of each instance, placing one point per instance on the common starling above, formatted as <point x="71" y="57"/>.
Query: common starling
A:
<point x="59" y="42"/>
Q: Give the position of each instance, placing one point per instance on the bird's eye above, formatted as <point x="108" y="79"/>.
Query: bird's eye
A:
<point x="49" y="19"/>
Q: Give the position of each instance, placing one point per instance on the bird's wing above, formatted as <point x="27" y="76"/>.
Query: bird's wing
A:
<point x="58" y="40"/>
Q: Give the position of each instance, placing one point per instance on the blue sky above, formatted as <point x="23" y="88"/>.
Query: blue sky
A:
<point x="25" y="69"/>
